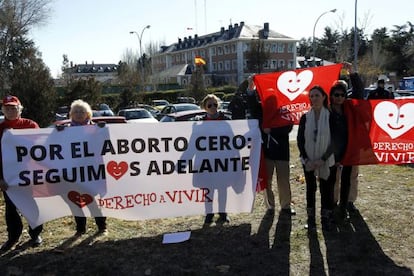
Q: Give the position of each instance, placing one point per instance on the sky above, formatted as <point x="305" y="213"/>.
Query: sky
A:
<point x="99" y="30"/>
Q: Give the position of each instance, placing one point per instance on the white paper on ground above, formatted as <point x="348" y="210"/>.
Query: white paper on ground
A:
<point x="176" y="237"/>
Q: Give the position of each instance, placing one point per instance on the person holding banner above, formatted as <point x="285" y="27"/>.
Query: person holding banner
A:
<point x="12" y="110"/>
<point x="315" y="145"/>
<point x="210" y="105"/>
<point x="81" y="114"/>
<point x="276" y="152"/>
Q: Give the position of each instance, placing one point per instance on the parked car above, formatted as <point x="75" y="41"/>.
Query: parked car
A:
<point x="104" y="110"/>
<point x="151" y="109"/>
<point x="62" y="112"/>
<point x="159" y="104"/>
<point x="137" y="115"/>
<point x="188" y="115"/>
<point x="403" y="94"/>
<point x="173" y="108"/>
<point x="186" y="100"/>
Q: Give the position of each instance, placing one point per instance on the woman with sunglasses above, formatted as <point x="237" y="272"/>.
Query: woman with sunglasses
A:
<point x="316" y="151"/>
<point x="340" y="136"/>
<point x="210" y="104"/>
<point x="347" y="176"/>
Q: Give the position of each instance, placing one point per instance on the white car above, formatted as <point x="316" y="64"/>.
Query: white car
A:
<point x="137" y="115"/>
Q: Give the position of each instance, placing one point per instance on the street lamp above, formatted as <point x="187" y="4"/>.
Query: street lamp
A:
<point x="139" y="36"/>
<point x="313" y="38"/>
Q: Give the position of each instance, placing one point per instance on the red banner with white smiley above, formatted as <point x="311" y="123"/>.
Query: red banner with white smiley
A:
<point x="133" y="171"/>
<point x="380" y="132"/>
<point x="285" y="95"/>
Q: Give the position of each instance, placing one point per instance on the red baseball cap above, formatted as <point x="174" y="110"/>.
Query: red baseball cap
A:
<point x="11" y="100"/>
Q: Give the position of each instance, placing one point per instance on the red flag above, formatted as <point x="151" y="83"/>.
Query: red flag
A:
<point x="380" y="132"/>
<point x="284" y="95"/>
<point x="199" y="61"/>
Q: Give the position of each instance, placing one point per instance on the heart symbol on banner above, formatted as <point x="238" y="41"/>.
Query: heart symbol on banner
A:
<point x="292" y="85"/>
<point x="394" y="120"/>
<point x="78" y="199"/>
<point x="117" y="170"/>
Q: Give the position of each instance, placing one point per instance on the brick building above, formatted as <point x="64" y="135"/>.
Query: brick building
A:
<point x="224" y="53"/>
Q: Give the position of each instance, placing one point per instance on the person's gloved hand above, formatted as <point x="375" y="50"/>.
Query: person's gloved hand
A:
<point x="3" y="185"/>
<point x="60" y="127"/>
<point x="318" y="163"/>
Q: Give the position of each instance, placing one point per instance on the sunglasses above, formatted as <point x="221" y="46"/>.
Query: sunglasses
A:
<point x="211" y="105"/>
<point x="337" y="95"/>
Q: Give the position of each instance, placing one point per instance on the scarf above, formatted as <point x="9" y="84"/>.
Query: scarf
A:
<point x="317" y="140"/>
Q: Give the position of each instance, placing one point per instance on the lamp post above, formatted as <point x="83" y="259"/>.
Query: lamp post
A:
<point x="355" y="40"/>
<point x="139" y="36"/>
<point x="313" y="38"/>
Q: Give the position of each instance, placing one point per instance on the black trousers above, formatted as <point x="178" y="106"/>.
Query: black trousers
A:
<point x="326" y="188"/>
<point x="81" y="223"/>
<point x="14" y="222"/>
<point x="345" y="185"/>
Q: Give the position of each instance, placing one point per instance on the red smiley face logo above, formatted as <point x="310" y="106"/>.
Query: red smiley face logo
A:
<point x="80" y="200"/>
<point x="117" y="170"/>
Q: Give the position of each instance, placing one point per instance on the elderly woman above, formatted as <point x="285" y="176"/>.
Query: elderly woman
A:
<point x="210" y="104"/>
<point x="80" y="114"/>
<point x="316" y="151"/>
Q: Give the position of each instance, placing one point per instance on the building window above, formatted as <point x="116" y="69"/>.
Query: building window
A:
<point x="291" y="47"/>
<point x="246" y="47"/>
<point x="234" y="64"/>
<point x="233" y="48"/>
<point x="226" y="49"/>
<point x="214" y="66"/>
<point x="213" y="51"/>
<point x="291" y="64"/>
<point x="281" y="64"/>
<point x="281" y="48"/>
<point x="227" y="65"/>
<point x="220" y="66"/>
<point x="219" y="50"/>
<point x="202" y="53"/>
<point x="273" y="64"/>
<point x="273" y="49"/>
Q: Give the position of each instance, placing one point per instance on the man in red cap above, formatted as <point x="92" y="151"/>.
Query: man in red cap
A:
<point x="12" y="110"/>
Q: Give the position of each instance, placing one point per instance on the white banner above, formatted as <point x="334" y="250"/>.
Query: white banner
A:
<point x="133" y="171"/>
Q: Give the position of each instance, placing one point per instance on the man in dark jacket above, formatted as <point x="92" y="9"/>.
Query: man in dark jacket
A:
<point x="277" y="157"/>
<point x="380" y="92"/>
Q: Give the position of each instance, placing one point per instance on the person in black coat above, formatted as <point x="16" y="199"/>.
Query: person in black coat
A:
<point x="380" y="92"/>
<point x="277" y="156"/>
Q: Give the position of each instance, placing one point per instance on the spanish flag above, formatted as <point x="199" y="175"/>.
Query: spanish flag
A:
<point x="199" y="60"/>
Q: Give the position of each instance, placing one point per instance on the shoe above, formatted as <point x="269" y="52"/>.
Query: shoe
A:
<point x="37" y="241"/>
<point x="102" y="232"/>
<point x="351" y="207"/>
<point x="223" y="220"/>
<point x="79" y="233"/>
<point x="288" y="211"/>
<point x="8" y="245"/>
<point x="209" y="219"/>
